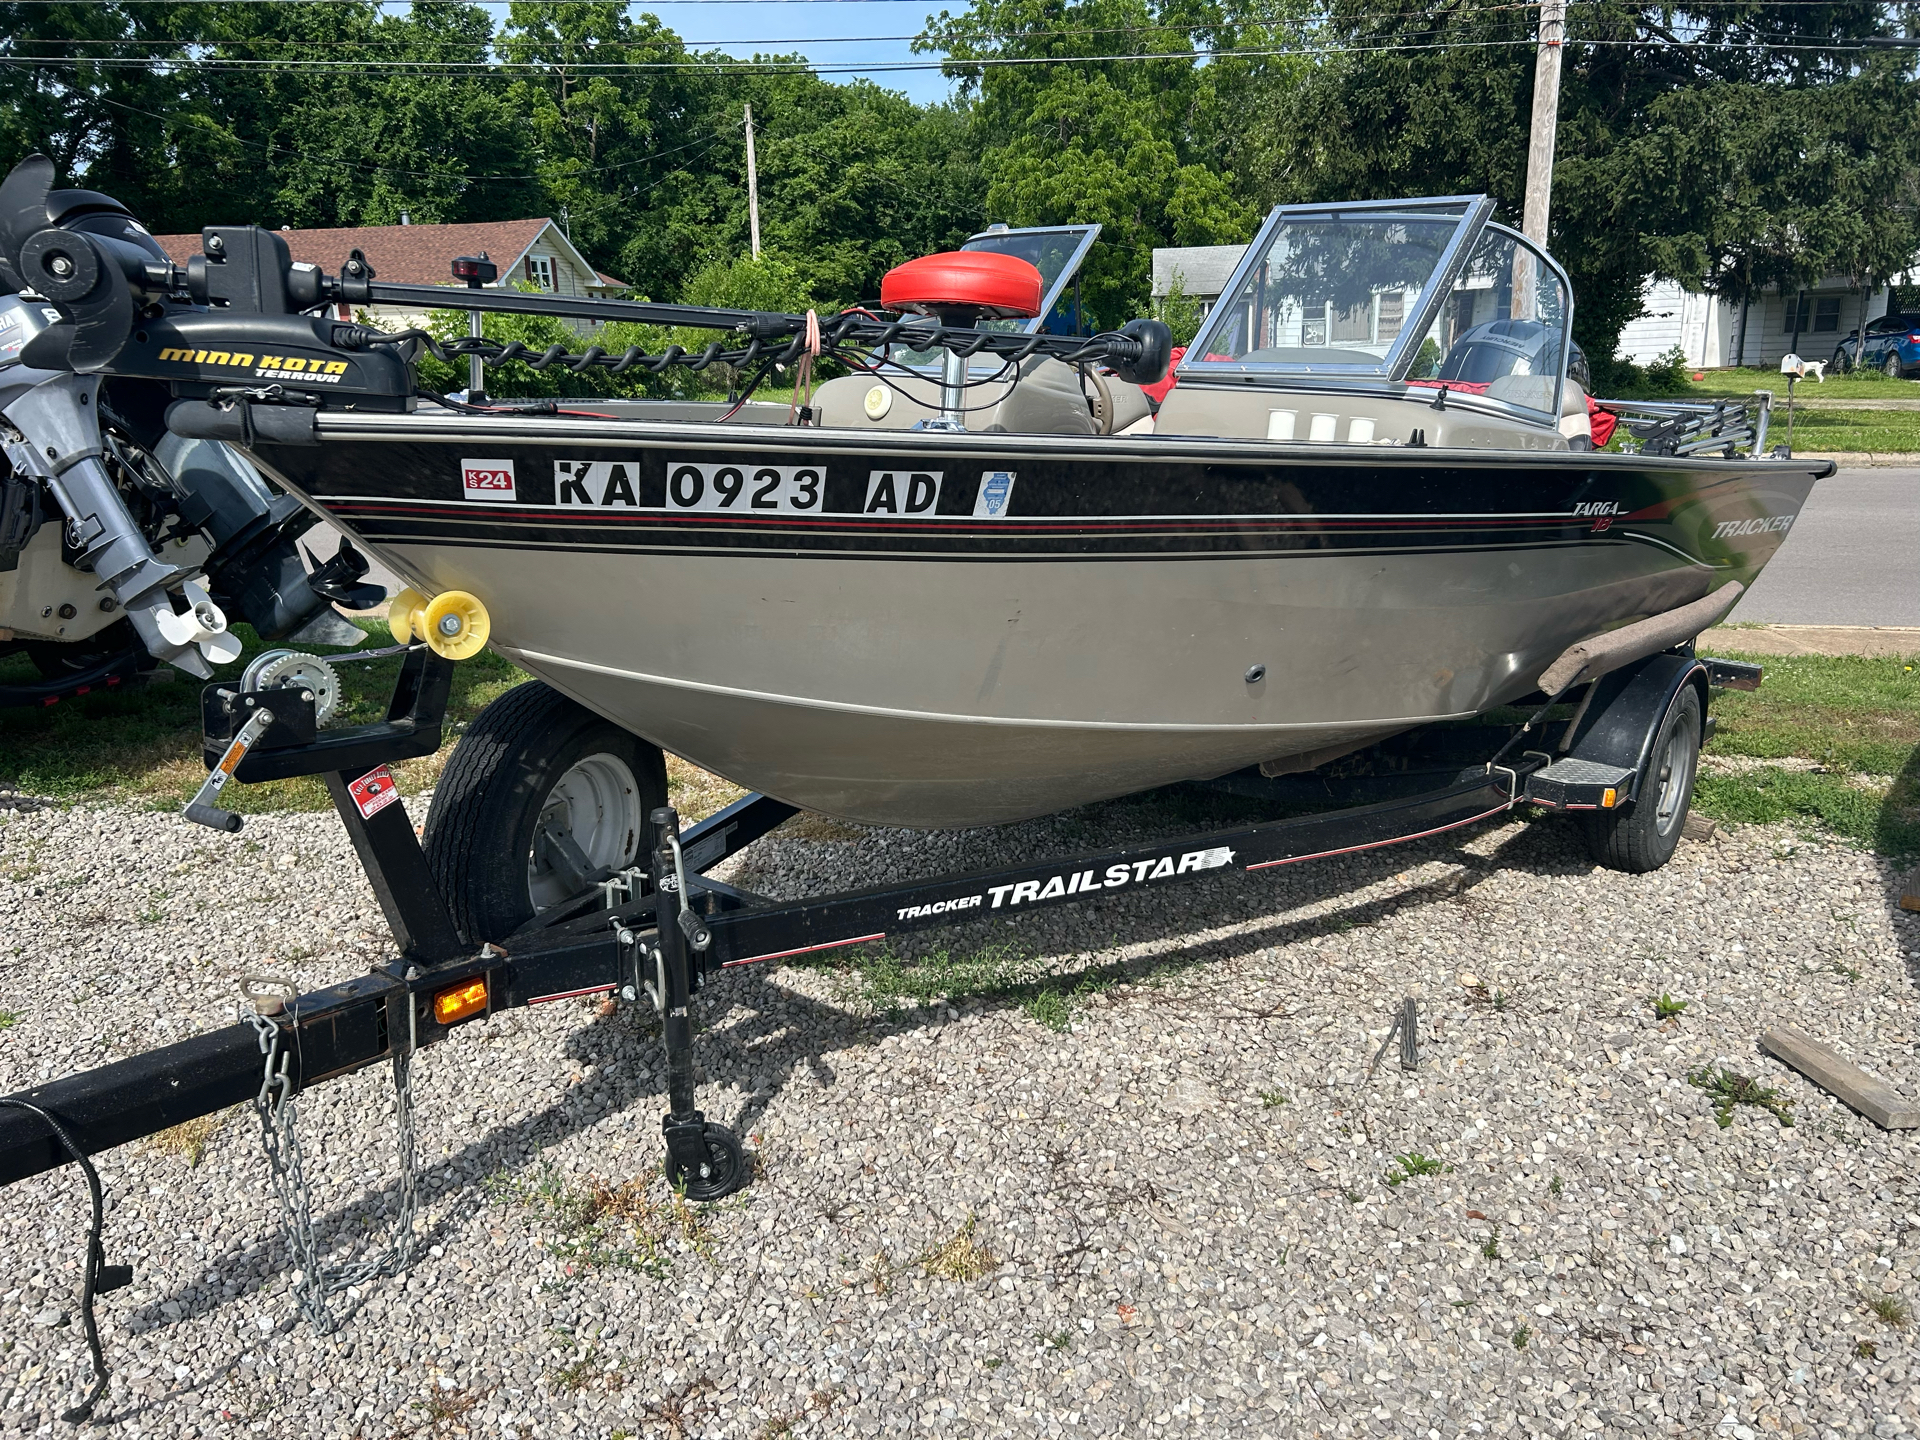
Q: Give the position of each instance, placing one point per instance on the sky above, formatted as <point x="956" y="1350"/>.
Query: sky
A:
<point x="847" y="35"/>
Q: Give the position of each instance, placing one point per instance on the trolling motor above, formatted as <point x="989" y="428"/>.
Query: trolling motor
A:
<point x="264" y="365"/>
<point x="121" y="482"/>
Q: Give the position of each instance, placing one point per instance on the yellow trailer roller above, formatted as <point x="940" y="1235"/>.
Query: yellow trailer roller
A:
<point x="453" y="624"/>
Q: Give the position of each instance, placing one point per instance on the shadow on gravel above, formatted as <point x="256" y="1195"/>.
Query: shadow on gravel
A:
<point x="764" y="1033"/>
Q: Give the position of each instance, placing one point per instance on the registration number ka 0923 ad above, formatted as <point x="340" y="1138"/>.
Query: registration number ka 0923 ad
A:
<point x="749" y="489"/>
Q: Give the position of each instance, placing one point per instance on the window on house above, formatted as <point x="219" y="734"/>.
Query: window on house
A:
<point x="540" y="271"/>
<point x="1799" y="314"/>
<point x="1826" y="313"/>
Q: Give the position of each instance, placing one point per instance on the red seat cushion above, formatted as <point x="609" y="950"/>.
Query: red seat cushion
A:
<point x="997" y="286"/>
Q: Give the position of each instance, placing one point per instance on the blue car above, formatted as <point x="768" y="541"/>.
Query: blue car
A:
<point x="1893" y="345"/>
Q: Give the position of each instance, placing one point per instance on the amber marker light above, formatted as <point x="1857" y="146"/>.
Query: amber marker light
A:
<point x="1607" y="800"/>
<point x="461" y="1001"/>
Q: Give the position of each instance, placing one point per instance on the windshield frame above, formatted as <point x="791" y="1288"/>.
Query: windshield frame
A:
<point x="1471" y="213"/>
<point x="1069" y="272"/>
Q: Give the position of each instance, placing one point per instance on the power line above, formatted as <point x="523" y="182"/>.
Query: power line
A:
<point x="730" y="65"/>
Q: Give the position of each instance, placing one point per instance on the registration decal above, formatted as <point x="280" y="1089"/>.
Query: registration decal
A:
<point x="486" y="479"/>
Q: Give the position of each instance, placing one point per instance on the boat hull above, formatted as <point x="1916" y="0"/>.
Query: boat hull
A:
<point x="948" y="630"/>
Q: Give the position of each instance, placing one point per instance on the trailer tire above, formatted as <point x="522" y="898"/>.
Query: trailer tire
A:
<point x="1644" y="836"/>
<point x="507" y="770"/>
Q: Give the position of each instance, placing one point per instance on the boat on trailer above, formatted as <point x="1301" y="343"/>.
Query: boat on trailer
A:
<point x="993" y="571"/>
<point x="1365" y="506"/>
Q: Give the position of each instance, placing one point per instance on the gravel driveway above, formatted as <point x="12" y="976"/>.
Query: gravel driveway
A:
<point x="1177" y="1217"/>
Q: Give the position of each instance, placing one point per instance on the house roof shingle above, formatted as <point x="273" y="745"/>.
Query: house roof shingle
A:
<point x="400" y="254"/>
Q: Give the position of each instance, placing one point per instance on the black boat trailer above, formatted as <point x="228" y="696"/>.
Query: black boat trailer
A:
<point x="631" y="938"/>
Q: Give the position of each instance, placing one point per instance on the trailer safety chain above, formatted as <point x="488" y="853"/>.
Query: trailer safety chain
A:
<point x="280" y="1138"/>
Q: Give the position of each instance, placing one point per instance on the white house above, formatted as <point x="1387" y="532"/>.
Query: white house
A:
<point x="1809" y="322"/>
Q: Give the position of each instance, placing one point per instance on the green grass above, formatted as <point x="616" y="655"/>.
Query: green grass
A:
<point x="1858" y="717"/>
<point x="1847" y="432"/>
<point x="881" y="977"/>
<point x="142" y="743"/>
<point x="1413" y="1164"/>
<point x="1729" y="1088"/>
<point x="1738" y="384"/>
<point x="1814" y="428"/>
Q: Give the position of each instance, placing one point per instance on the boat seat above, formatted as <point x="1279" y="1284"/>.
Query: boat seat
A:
<point x="963" y="287"/>
<point x="1533" y="391"/>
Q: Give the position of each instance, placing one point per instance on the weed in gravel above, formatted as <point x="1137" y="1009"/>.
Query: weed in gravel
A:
<point x="1413" y="1164"/>
<point x="882" y="979"/>
<point x="778" y="1427"/>
<point x="1554" y="1187"/>
<point x="960" y="1258"/>
<point x="1273" y="1099"/>
<point x="1521" y="1335"/>
<point x="1890" y="1310"/>
<point x="590" y="1368"/>
<point x="1866" y="1350"/>
<point x="190" y="1137"/>
<point x="677" y="1411"/>
<point x="1665" y="1007"/>
<point x="625" y="1226"/>
<point x="9" y="1019"/>
<point x="1059" y="1340"/>
<point x="877" y="1272"/>
<point x="1729" y="1088"/>
<point x="1492" y="1248"/>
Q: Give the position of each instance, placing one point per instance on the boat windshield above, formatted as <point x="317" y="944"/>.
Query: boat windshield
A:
<point x="1423" y="290"/>
<point x="1057" y="254"/>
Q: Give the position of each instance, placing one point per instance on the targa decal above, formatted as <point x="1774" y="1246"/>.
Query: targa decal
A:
<point x="996" y="493"/>
<point x="486" y="479"/>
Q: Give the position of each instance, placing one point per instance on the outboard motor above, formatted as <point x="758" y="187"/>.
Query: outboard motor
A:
<point x="99" y="450"/>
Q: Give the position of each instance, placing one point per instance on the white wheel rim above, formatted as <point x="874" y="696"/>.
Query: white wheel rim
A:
<point x="596" y="805"/>
<point x="1675" y="777"/>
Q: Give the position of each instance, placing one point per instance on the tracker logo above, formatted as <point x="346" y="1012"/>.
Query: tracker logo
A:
<point x="486" y="480"/>
<point x="1759" y="525"/>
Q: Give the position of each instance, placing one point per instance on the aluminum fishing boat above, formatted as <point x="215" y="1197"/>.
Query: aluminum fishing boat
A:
<point x="996" y="570"/>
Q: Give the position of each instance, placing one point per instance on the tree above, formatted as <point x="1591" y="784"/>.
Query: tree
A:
<point x="1439" y="101"/>
<point x="1122" y="142"/>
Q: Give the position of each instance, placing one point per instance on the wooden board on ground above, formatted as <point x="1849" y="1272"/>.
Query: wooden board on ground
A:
<point x="1872" y="1097"/>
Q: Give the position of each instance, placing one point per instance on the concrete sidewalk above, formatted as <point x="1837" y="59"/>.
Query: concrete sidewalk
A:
<point x="1874" y="640"/>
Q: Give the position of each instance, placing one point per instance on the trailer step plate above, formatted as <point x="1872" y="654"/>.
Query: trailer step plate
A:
<point x="1580" y="785"/>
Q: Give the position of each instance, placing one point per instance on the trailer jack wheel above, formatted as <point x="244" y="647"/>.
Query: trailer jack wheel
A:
<point x="705" y="1161"/>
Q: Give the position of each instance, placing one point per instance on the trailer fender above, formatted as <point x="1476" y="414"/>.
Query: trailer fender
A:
<point x="1628" y="706"/>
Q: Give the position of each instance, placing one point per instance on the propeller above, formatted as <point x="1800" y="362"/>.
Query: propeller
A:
<point x="84" y="276"/>
<point x="23" y="205"/>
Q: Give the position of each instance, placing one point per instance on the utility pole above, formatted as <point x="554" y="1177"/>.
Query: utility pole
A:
<point x="753" y="188"/>
<point x="1546" y="116"/>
